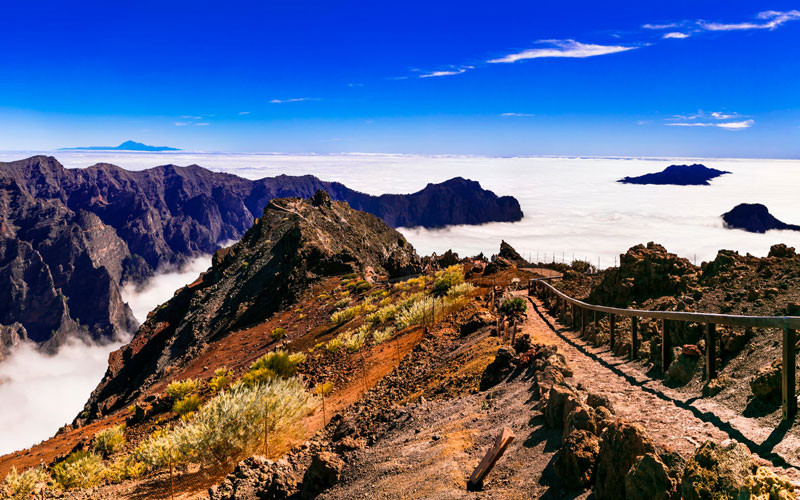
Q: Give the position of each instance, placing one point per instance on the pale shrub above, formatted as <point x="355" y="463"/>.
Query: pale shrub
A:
<point x="221" y="380"/>
<point x="125" y="467"/>
<point x="161" y="449"/>
<point x="271" y="365"/>
<point x="109" y="441"/>
<point x="79" y="470"/>
<point x="187" y="406"/>
<point x="381" y="336"/>
<point x="18" y="486"/>
<point x="447" y="279"/>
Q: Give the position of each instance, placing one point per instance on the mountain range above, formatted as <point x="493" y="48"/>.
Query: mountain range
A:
<point x="125" y="146"/>
<point x="69" y="238"/>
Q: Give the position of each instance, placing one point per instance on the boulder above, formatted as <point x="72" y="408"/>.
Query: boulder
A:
<point x="478" y="320"/>
<point x="768" y="485"/>
<point x="691" y="351"/>
<point x="546" y="380"/>
<point x="257" y="478"/>
<point x="781" y="251"/>
<point x="717" y="471"/>
<point x="323" y="472"/>
<point x="682" y="369"/>
<point x="576" y="461"/>
<point x="499" y="369"/>
<point x="579" y="416"/>
<point x="522" y="343"/>
<point x="623" y="443"/>
<point x="649" y="479"/>
<point x="766" y="383"/>
<point x="556" y="401"/>
<point x="596" y="400"/>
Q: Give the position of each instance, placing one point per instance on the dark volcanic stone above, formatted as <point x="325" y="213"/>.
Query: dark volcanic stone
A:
<point x="754" y="218"/>
<point x="678" y="175"/>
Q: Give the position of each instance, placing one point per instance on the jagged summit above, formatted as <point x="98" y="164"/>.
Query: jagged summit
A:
<point x="295" y="243"/>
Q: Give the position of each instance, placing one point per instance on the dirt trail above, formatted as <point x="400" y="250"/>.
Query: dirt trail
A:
<point x="671" y="418"/>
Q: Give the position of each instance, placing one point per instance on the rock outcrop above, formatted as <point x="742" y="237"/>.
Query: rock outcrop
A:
<point x="295" y="243"/>
<point x="754" y="218"/>
<point x="70" y="237"/>
<point x="678" y="175"/>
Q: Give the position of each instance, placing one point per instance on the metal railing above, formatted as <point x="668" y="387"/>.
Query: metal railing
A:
<point x="789" y="325"/>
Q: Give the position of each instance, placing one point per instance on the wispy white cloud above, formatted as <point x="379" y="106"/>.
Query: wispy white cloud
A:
<point x="244" y="112"/>
<point x="715" y="115"/>
<point x="190" y="117"/>
<point x="181" y="124"/>
<point x="296" y="99"/>
<point x="562" y="48"/>
<point x="675" y="34"/>
<point x="769" y="19"/>
<point x="516" y="114"/>
<point x="202" y="124"/>
<point x="665" y="26"/>
<point x="355" y="84"/>
<point x="450" y="72"/>
<point x="726" y="125"/>
<point x="196" y="124"/>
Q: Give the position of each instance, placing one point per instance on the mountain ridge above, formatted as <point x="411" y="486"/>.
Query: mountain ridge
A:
<point x="125" y="146"/>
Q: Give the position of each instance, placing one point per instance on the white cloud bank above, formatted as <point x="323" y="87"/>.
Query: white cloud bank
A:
<point x="516" y="114"/>
<point x="770" y="20"/>
<point x="726" y="125"/>
<point x="452" y="72"/>
<point x="39" y="392"/>
<point x="675" y="34"/>
<point x="562" y="48"/>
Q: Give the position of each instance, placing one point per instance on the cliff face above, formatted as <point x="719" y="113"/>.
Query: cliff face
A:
<point x="70" y="237"/>
<point x="295" y="243"/>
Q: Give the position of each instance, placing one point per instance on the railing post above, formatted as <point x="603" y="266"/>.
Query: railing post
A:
<point x="666" y="346"/>
<point x="634" y="337"/>
<point x="596" y="326"/>
<point x="514" y="332"/>
<point x="583" y="322"/>
<point x="788" y="386"/>
<point x="612" y="331"/>
<point x="574" y="316"/>
<point x="711" y="351"/>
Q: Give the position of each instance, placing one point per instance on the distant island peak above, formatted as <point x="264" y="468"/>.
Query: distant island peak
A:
<point x="678" y="175"/>
<point x="125" y="146"/>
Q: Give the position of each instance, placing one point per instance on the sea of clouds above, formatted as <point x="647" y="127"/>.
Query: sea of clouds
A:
<point x="40" y="392"/>
<point x="573" y="208"/>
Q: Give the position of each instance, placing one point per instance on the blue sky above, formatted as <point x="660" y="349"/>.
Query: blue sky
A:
<point x="715" y="78"/>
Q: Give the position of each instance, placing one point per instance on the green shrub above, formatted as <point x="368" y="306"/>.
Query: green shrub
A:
<point x="341" y="303"/>
<point x="221" y="380"/>
<point x="345" y="315"/>
<point x="22" y="486"/>
<point x="109" y="441"/>
<point x="278" y="333"/>
<point x="187" y="406"/>
<point x="513" y="305"/>
<point x="125" y="467"/>
<point x="179" y="389"/>
<point x="79" y="470"/>
<point x="349" y="276"/>
<point x="447" y="279"/>
<point x="334" y="344"/>
<point x="161" y="449"/>
<point x="276" y="364"/>
<point x="362" y="286"/>
<point x="583" y="266"/>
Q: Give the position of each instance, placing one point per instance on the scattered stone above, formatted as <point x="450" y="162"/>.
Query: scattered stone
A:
<point x="692" y="351"/>
<point x="257" y="477"/>
<point x="499" y="369"/>
<point x="556" y="401"/>
<point x="622" y="445"/>
<point x="717" y="471"/>
<point x="479" y="320"/>
<point x="682" y="369"/>
<point x="579" y="416"/>
<point x="349" y="444"/>
<point x="596" y="400"/>
<point x="649" y="479"/>
<point x="766" y="383"/>
<point x="576" y="461"/>
<point x="324" y="471"/>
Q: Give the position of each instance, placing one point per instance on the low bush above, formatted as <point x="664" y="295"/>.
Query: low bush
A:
<point x="514" y="305"/>
<point x="79" y="470"/>
<point x="276" y="364"/>
<point x="334" y="344"/>
<point x="221" y="380"/>
<point x="20" y="486"/>
<point x="345" y="315"/>
<point x="278" y="333"/>
<point x="381" y="336"/>
<point x="109" y="441"/>
<point x="125" y="467"/>
<point x="447" y="279"/>
<point x="179" y="389"/>
<point x="342" y="303"/>
<point x="163" y="448"/>
<point x="362" y="286"/>
<point x="187" y="406"/>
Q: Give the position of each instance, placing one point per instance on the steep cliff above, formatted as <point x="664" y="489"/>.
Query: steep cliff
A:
<point x="70" y="237"/>
<point x="295" y="243"/>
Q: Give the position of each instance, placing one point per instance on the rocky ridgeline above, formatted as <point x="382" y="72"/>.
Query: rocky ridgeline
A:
<point x="295" y="243"/>
<point x="649" y="277"/>
<point x="70" y="237"/>
<point x="619" y="461"/>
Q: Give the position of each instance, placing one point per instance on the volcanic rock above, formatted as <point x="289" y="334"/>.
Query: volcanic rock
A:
<point x="576" y="461"/>
<point x="717" y="471"/>
<point x="507" y="252"/>
<point x="292" y="245"/>
<point x="623" y="443"/>
<point x="257" y="477"/>
<point x="324" y="471"/>
<point x="499" y="369"/>
<point x="649" y="479"/>
<point x="766" y="383"/>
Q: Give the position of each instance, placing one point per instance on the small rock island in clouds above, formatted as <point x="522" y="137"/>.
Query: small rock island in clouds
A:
<point x="125" y="146"/>
<point x="754" y="218"/>
<point x="678" y="175"/>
